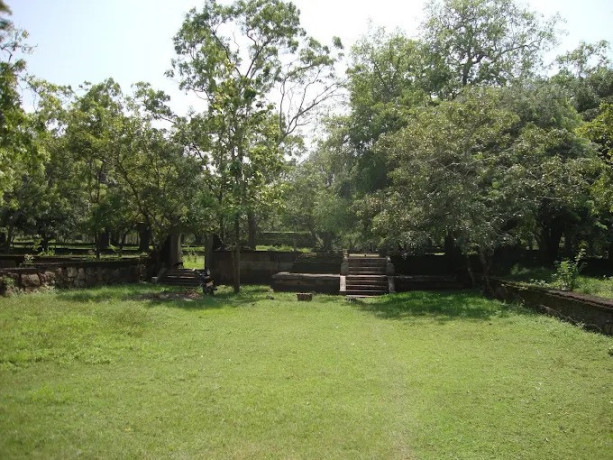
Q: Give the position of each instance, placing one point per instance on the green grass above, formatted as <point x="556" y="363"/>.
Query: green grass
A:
<point x="601" y="287"/>
<point x="134" y="372"/>
<point x="596" y="286"/>
<point x="193" y="261"/>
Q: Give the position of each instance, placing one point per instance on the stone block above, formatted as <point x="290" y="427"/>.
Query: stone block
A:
<point x="30" y="281"/>
<point x="48" y="278"/>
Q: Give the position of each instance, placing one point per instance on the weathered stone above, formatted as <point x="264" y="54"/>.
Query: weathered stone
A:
<point x="47" y="278"/>
<point x="71" y="272"/>
<point x="90" y="276"/>
<point x="30" y="280"/>
<point x="81" y="274"/>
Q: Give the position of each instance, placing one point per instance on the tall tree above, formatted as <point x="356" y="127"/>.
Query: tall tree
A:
<point x="15" y="130"/>
<point x="585" y="73"/>
<point x="485" y="42"/>
<point x="450" y="177"/>
<point x="261" y="76"/>
<point x="387" y="78"/>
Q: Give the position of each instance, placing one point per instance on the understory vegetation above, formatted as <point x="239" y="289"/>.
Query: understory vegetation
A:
<point x="142" y="371"/>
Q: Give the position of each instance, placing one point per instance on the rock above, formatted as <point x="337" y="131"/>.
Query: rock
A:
<point x="30" y="281"/>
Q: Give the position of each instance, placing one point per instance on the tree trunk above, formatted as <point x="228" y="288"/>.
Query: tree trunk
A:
<point x="104" y="239"/>
<point x="144" y="237"/>
<point x="486" y="264"/>
<point x="252" y="224"/>
<point x="9" y="239"/>
<point x="236" y="259"/>
<point x="44" y="244"/>
<point x="469" y="269"/>
<point x="208" y="250"/>
<point x="452" y="253"/>
<point x="549" y="244"/>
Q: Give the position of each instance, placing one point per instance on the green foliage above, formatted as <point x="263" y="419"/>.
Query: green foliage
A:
<point x="17" y="146"/>
<point x="314" y="201"/>
<point x="567" y="272"/>
<point x="586" y="75"/>
<point x="600" y="131"/>
<point x="236" y="57"/>
<point x="484" y="42"/>
<point x="7" y="282"/>
<point x="450" y="174"/>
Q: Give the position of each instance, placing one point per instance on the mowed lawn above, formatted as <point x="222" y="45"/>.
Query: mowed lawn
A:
<point x="133" y="372"/>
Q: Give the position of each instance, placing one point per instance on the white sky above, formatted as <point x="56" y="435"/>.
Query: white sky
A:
<point x="131" y="40"/>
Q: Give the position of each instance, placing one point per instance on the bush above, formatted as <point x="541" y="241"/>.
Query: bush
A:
<point x="567" y="272"/>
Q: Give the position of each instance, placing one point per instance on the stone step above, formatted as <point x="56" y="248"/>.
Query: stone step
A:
<point x="355" y="271"/>
<point x="379" y="284"/>
<point x="355" y="292"/>
<point x="367" y="262"/>
<point x="362" y="288"/>
<point x="180" y="277"/>
<point x="370" y="277"/>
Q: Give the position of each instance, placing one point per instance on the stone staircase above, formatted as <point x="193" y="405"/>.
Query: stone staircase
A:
<point x="366" y="276"/>
<point x="180" y="277"/>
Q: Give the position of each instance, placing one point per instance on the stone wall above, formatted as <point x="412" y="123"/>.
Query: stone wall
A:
<point x="318" y="263"/>
<point x="257" y="267"/>
<point x="306" y="282"/>
<point x="70" y="274"/>
<point x="593" y="313"/>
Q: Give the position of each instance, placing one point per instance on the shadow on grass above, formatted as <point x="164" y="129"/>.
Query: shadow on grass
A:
<point x="149" y="295"/>
<point x="440" y="305"/>
<point x="152" y="295"/>
<point x="193" y="299"/>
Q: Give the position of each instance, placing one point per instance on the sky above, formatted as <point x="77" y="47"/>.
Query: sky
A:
<point x="131" y="40"/>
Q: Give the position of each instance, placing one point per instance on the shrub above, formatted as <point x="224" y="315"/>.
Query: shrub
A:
<point x="567" y="272"/>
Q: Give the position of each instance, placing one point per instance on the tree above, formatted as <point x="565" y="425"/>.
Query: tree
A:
<point x="586" y="74"/>
<point x="387" y="78"/>
<point x="15" y="135"/>
<point x="236" y="58"/>
<point x="600" y="131"/>
<point x="451" y="175"/>
<point x="484" y="42"/>
<point x="314" y="200"/>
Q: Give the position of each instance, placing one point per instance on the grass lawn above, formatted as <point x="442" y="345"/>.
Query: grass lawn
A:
<point x="139" y="373"/>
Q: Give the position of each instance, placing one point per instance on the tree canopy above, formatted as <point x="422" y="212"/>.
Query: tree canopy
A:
<point x="456" y="138"/>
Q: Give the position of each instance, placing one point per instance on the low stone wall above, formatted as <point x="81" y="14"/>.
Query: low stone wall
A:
<point x="70" y="274"/>
<point x="306" y="282"/>
<point x="405" y="283"/>
<point x="593" y="313"/>
<point x="257" y="267"/>
<point x="318" y="263"/>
